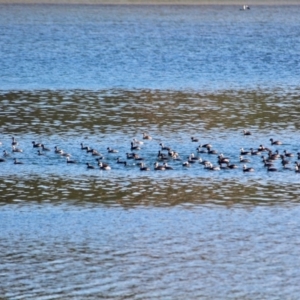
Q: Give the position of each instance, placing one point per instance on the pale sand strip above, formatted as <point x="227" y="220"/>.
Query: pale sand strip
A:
<point x="158" y="2"/>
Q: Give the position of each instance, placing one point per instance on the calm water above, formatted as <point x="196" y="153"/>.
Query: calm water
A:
<point x="103" y="75"/>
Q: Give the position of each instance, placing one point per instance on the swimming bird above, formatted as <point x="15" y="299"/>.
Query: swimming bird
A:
<point x="162" y="156"/>
<point x="194" y="139"/>
<point x="14" y="149"/>
<point x="199" y="150"/>
<point x="284" y="162"/>
<point x="36" y="145"/>
<point x="57" y="150"/>
<point x="247" y="132"/>
<point x="186" y="164"/>
<point x="71" y="161"/>
<point x="110" y="150"/>
<point x="244" y="160"/>
<point x="119" y="161"/>
<point x="167" y="167"/>
<point x="14" y="142"/>
<point x="83" y="147"/>
<point x="138" y="142"/>
<point x="222" y="159"/>
<point x="5" y="153"/>
<point x="275" y="142"/>
<point x="297" y="169"/>
<point x="272" y="155"/>
<point x="40" y="153"/>
<point x="298" y="154"/>
<point x="267" y="163"/>
<point x="17" y="162"/>
<point x="134" y="147"/>
<point x="130" y="155"/>
<point x="158" y="167"/>
<point x="210" y="151"/>
<point x="232" y="166"/>
<point x="288" y="154"/>
<point x="104" y="166"/>
<point x="271" y="169"/>
<point x="163" y="147"/>
<point x="246" y="169"/>
<point x="96" y="153"/>
<point x="2" y="159"/>
<point x="205" y="146"/>
<point x="45" y="148"/>
<point x="146" y="136"/>
<point x="253" y="152"/>
<point x="89" y="166"/>
<point x="143" y="167"/>
<point x="244" y="152"/>
<point x="211" y="167"/>
<point x="137" y="157"/>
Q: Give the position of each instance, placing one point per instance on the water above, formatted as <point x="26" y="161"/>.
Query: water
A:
<point x="103" y="75"/>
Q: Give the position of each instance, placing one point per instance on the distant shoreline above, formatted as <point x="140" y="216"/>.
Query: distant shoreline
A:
<point x="157" y="2"/>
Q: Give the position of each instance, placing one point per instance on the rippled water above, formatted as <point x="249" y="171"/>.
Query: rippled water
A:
<point x="103" y="75"/>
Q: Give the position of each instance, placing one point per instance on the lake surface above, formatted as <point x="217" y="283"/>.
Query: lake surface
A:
<point x="104" y="75"/>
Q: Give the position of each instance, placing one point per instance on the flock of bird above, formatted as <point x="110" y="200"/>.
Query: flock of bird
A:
<point x="165" y="155"/>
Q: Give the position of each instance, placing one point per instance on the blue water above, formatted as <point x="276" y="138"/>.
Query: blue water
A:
<point x="102" y="75"/>
<point x="156" y="47"/>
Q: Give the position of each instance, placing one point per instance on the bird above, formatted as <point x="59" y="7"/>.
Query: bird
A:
<point x="288" y="154"/>
<point x="163" y="147"/>
<point x="209" y="151"/>
<point x="96" y="153"/>
<point x="211" y="167"/>
<point x="36" y="145"/>
<point x="162" y="156"/>
<point x="272" y="169"/>
<point x="45" y="148"/>
<point x="158" y="167"/>
<point x="17" y="162"/>
<point x="167" y="167"/>
<point x="89" y="166"/>
<point x="83" y="147"/>
<point x="70" y="161"/>
<point x="247" y="169"/>
<point x="186" y="164"/>
<point x="119" y="161"/>
<point x="267" y="163"/>
<point x="297" y="169"/>
<point x="134" y="147"/>
<point x="146" y="136"/>
<point x="205" y="146"/>
<point x="104" y="166"/>
<point x="194" y="139"/>
<point x="110" y="150"/>
<point x="143" y="167"/>
<point x="138" y="142"/>
<point x="14" y="149"/>
<point x="253" y="152"/>
<point x="57" y="150"/>
<point x="275" y="142"/>
<point x="232" y="166"/>
<point x="244" y="160"/>
<point x="247" y="132"/>
<point x="130" y="155"/>
<point x="5" y="153"/>
<point x="2" y="159"/>
<point x="14" y="142"/>
<point x="40" y="153"/>
<point x="244" y="152"/>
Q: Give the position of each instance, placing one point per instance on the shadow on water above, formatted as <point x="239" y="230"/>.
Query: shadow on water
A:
<point x="144" y="191"/>
<point x="129" y="112"/>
